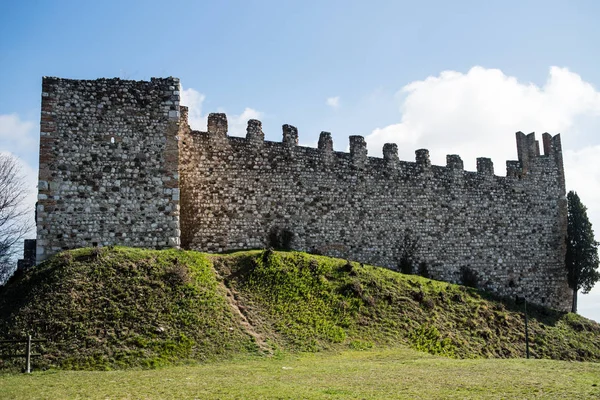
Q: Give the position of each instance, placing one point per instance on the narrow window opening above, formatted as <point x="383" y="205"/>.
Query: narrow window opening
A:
<point x="112" y="140"/>
<point x="94" y="244"/>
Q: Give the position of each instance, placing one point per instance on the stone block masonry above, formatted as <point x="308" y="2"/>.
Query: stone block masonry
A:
<point x="108" y="164"/>
<point x="510" y="230"/>
<point x="114" y="155"/>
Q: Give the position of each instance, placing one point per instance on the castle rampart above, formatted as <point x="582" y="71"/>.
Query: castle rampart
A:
<point x="234" y="191"/>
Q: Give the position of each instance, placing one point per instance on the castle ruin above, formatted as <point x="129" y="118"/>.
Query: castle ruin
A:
<point x="119" y="165"/>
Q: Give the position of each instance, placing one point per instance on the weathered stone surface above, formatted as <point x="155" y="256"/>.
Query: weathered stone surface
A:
<point x="106" y="164"/>
<point x="510" y="230"/>
<point x="233" y="191"/>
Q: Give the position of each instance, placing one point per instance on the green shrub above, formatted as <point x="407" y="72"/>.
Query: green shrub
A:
<point x="424" y="270"/>
<point x="469" y="277"/>
<point x="408" y="252"/>
<point x="280" y="238"/>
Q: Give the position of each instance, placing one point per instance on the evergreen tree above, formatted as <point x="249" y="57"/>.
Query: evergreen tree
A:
<point x="582" y="249"/>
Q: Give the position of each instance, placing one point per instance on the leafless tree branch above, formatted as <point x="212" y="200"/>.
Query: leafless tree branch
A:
<point x="13" y="224"/>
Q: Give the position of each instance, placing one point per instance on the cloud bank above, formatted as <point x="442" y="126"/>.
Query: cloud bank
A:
<point x="17" y="135"/>
<point x="475" y="114"/>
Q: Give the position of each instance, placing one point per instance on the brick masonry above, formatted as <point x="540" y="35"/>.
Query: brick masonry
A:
<point x="234" y="191"/>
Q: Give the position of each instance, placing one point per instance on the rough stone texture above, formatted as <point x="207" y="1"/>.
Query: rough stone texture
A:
<point x="234" y="191"/>
<point x="108" y="164"/>
<point x="510" y="230"/>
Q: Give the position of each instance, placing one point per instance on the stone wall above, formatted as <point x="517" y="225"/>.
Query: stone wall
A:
<point x="108" y="164"/>
<point x="114" y="154"/>
<point x="510" y="230"/>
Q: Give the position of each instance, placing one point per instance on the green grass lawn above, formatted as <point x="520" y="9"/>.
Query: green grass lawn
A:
<point x="391" y="373"/>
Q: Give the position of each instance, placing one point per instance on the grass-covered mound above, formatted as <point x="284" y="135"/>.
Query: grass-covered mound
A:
<point x="116" y="308"/>
<point x="308" y="303"/>
<point x="122" y="307"/>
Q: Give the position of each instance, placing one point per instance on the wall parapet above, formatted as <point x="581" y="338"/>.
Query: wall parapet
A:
<point x="527" y="150"/>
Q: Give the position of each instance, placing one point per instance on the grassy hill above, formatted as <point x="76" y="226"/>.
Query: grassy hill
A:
<point x="120" y="307"/>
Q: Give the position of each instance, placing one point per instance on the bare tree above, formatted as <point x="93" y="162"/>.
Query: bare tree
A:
<point x="13" y="222"/>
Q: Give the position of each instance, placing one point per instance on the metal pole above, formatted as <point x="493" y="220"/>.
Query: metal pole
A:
<point x="526" y="331"/>
<point x="28" y="355"/>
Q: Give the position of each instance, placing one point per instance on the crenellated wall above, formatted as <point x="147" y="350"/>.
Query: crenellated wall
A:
<point x="509" y="229"/>
<point x="116" y="155"/>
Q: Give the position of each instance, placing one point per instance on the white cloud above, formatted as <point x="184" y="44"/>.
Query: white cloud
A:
<point x="193" y="100"/>
<point x="475" y="114"/>
<point x="16" y="135"/>
<point x="333" y="102"/>
<point x="198" y="121"/>
<point x="588" y="305"/>
<point x="237" y="123"/>
<point x="582" y="174"/>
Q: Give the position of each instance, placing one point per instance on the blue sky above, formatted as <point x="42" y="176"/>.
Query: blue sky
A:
<point x="455" y="77"/>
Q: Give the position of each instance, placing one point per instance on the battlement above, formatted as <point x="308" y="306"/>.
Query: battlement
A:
<point x="527" y="150"/>
<point x="119" y="164"/>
